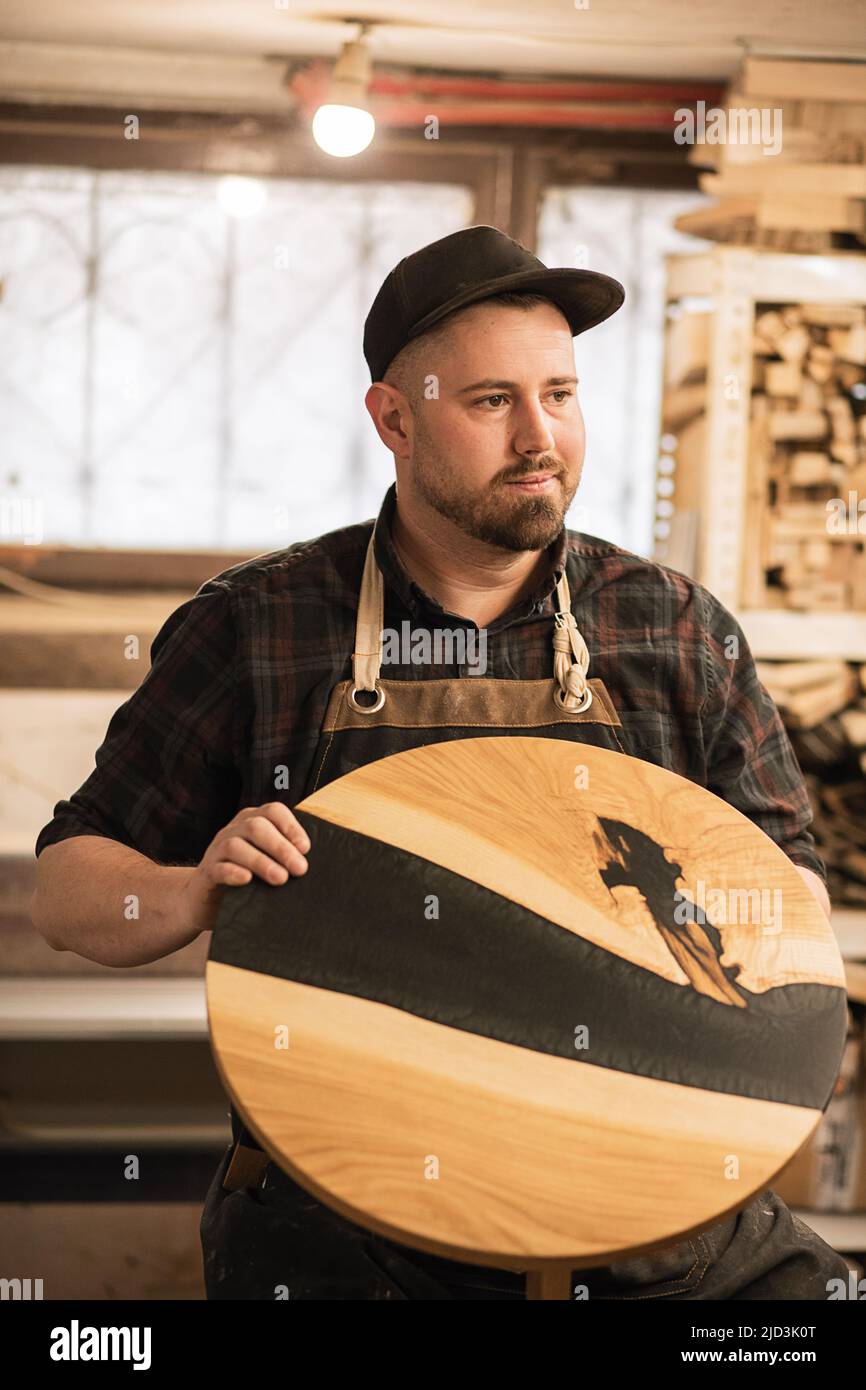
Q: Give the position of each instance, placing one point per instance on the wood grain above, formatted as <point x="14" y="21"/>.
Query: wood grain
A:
<point x="540" y="1158"/>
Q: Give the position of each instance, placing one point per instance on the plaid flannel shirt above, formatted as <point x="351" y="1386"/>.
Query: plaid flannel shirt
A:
<point x="241" y="674"/>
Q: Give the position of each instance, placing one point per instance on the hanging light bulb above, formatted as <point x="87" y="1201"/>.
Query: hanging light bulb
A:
<point x="343" y="126"/>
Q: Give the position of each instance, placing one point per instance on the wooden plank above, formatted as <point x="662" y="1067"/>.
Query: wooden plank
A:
<point x="688" y="275"/>
<point x="805" y="211"/>
<point x="100" y="643"/>
<point x="854" y="724"/>
<point x="788" y="180"/>
<point x="690" y="455"/>
<point x="104" y="1008"/>
<point x="709" y="221"/>
<point x="787" y="677"/>
<point x="820" y="362"/>
<point x="754" y="502"/>
<point x="776" y="633"/>
<point x="687" y="341"/>
<point x="682" y="404"/>
<point x="833" y="315"/>
<point x="808" y="80"/>
<point x="841" y="419"/>
<point x="770" y="326"/>
<point x="77" y="661"/>
<point x="849" y="343"/>
<point x="798" y="424"/>
<point x="810" y="468"/>
<point x="826" y="279"/>
<point x="794" y="343"/>
<point x="783" y="378"/>
<point x="833" y="118"/>
<point x="84" y="568"/>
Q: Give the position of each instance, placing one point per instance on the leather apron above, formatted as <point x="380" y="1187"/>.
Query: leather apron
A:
<point x="260" y="1230"/>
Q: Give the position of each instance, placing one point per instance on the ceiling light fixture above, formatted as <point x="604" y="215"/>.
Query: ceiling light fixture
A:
<point x="343" y="125"/>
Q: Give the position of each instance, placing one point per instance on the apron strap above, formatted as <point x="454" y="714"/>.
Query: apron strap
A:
<point x="570" y="652"/>
<point x="570" y="655"/>
<point x="367" y="656"/>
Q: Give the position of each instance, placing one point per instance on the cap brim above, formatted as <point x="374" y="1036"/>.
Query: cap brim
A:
<point x="586" y="297"/>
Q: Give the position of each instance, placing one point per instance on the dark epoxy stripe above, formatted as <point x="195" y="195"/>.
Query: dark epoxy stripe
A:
<point x="355" y="923"/>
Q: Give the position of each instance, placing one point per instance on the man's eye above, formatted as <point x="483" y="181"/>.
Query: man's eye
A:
<point x="485" y="399"/>
<point x="562" y="392"/>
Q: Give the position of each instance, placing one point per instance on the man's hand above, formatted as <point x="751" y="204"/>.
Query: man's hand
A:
<point x="815" y="886"/>
<point x="263" y="841"/>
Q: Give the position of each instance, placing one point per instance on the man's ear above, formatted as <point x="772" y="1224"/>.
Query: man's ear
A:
<point x="390" y="412"/>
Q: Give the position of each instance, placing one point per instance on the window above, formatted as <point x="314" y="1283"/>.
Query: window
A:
<point x="173" y="376"/>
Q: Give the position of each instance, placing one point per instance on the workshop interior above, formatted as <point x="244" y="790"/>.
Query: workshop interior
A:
<point x="198" y="204"/>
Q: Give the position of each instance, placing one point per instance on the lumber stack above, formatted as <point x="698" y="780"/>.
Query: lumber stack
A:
<point x="807" y="456"/>
<point x="803" y="437"/>
<point x="807" y="193"/>
<point x="823" y="706"/>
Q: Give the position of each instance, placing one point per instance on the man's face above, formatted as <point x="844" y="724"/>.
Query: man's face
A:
<point x="507" y="410"/>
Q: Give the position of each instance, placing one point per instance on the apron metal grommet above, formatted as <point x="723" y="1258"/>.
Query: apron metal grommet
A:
<point x="366" y="709"/>
<point x="585" y="703"/>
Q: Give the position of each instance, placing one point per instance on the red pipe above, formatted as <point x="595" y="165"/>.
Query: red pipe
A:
<point x="587" y="117"/>
<point x="586" y="105"/>
<point x="389" y="84"/>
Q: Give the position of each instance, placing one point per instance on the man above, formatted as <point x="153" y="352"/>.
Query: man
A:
<point x="474" y="391"/>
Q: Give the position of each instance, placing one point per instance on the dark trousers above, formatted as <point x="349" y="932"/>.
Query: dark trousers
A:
<point x="278" y="1241"/>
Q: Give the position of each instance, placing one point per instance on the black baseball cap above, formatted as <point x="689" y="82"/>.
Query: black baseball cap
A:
<point x="465" y="267"/>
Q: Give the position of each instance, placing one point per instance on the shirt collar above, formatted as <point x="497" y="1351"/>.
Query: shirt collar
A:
<point x="416" y="599"/>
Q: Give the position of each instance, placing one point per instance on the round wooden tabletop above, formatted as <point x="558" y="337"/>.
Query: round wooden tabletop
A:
<point x="533" y="1001"/>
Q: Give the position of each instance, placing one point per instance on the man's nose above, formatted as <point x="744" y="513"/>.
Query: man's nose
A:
<point x="532" y="433"/>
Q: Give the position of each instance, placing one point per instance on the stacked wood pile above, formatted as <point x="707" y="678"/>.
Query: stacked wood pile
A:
<point x="823" y="705"/>
<point x="809" y="194"/>
<point x="807" y="457"/>
<point x="804" y="536"/>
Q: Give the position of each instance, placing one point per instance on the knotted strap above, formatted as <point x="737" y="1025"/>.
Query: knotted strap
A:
<point x="570" y="655"/>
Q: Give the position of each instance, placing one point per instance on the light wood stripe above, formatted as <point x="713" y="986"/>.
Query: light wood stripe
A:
<point x="536" y="1153"/>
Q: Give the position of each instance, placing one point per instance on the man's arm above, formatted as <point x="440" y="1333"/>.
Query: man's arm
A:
<point x="113" y="905"/>
<point x="132" y="865"/>
<point x="749" y="758"/>
<point x="107" y="902"/>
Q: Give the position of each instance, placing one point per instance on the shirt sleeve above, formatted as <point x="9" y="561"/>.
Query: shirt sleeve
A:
<point x="750" y="761"/>
<point x="167" y="772"/>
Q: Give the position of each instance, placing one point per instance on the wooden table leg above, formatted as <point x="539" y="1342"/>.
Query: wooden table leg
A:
<point x="552" y="1281"/>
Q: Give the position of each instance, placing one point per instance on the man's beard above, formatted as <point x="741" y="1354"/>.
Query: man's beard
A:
<point x="499" y="515"/>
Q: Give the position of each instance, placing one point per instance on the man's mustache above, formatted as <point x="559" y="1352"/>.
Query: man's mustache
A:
<point x="545" y="466"/>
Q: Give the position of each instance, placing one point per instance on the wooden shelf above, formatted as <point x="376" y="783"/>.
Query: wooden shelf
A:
<point x="849" y="925"/>
<point x="88" y="1008"/>
<point x="843" y="1230"/>
<point x="784" y="635"/>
